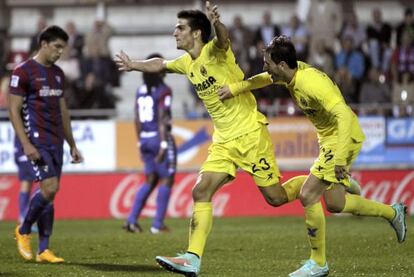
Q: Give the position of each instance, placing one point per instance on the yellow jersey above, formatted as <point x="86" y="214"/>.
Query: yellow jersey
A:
<point x="212" y="69"/>
<point x="320" y="100"/>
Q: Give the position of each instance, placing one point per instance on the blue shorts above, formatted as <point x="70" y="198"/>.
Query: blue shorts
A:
<point x="50" y="164"/>
<point x="149" y="149"/>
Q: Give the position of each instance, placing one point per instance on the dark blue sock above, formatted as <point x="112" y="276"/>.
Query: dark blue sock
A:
<point x="45" y="224"/>
<point x="36" y="207"/>
<point x="140" y="199"/>
<point x="162" y="204"/>
<point x="24" y="198"/>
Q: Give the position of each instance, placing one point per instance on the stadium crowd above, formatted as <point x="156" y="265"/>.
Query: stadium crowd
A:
<point x="373" y="64"/>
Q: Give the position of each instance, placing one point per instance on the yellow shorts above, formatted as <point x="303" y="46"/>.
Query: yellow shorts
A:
<point x="253" y="152"/>
<point x="324" y="165"/>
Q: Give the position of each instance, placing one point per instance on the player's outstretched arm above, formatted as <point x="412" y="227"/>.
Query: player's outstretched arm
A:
<point x="220" y="29"/>
<point x="255" y="82"/>
<point x="67" y="130"/>
<point x="124" y="63"/>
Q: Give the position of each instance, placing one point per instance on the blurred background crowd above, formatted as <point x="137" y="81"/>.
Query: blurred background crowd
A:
<point x="371" y="58"/>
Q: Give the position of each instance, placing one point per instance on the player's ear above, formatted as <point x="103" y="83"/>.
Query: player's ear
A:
<point x="197" y="34"/>
<point x="43" y="43"/>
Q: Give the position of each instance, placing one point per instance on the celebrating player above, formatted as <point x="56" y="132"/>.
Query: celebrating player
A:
<point x="41" y="121"/>
<point x="340" y="140"/>
<point x="237" y="124"/>
<point x="157" y="147"/>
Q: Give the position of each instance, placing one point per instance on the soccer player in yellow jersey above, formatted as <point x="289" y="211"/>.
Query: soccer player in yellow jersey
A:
<point x="210" y="65"/>
<point x="340" y="139"/>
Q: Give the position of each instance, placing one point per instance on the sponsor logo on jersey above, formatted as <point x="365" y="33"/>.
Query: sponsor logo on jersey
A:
<point x="205" y="84"/>
<point x="46" y="91"/>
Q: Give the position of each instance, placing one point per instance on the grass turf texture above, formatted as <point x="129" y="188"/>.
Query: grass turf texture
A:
<point x="236" y="247"/>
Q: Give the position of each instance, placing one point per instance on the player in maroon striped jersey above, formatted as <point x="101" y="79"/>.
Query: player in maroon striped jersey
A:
<point x="41" y="122"/>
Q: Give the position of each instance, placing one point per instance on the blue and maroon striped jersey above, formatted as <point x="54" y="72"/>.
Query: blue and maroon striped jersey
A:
<point x="148" y="104"/>
<point x="41" y="88"/>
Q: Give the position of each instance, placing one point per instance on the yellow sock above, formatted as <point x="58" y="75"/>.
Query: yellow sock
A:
<point x="358" y="205"/>
<point x="200" y="226"/>
<point x="315" y="223"/>
<point x="293" y="185"/>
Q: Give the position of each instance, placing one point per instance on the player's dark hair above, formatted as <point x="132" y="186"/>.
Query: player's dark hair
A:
<point x="197" y="20"/>
<point x="280" y="49"/>
<point x="52" y="33"/>
<point x="152" y="80"/>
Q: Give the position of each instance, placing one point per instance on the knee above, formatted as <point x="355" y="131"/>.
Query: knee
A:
<point x="304" y="199"/>
<point x="50" y="192"/>
<point x="200" y="194"/>
<point x="334" y="207"/>
<point x="275" y="201"/>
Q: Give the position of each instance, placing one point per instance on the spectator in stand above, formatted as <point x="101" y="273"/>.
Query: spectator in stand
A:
<point x="323" y="58"/>
<point x="374" y="91"/>
<point x="407" y="25"/>
<point x="346" y="84"/>
<point x="41" y="24"/>
<point x="267" y="30"/>
<point x="379" y="42"/>
<point x="402" y="73"/>
<point x="299" y="35"/>
<point x="402" y="62"/>
<point x="98" y="68"/>
<point x="350" y="66"/>
<point x="70" y="62"/>
<point x="76" y="41"/>
<point x="241" y="38"/>
<point x="323" y="22"/>
<point x="352" y="28"/>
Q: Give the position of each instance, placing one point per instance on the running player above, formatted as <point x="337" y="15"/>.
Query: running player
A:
<point x="237" y="124"/>
<point x="340" y="140"/>
<point x="41" y="121"/>
<point x="157" y="148"/>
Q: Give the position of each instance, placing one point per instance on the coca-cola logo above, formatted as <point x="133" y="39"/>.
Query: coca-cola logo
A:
<point x="180" y="205"/>
<point x="392" y="191"/>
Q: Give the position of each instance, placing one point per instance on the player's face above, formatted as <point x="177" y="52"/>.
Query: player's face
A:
<point x="53" y="50"/>
<point x="183" y="35"/>
<point x="271" y="67"/>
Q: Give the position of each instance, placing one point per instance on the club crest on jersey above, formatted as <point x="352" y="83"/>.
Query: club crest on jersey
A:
<point x="203" y="71"/>
<point x="58" y="79"/>
<point x="14" y="82"/>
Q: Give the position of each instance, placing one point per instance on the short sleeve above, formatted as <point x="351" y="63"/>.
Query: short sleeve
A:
<point x="19" y="82"/>
<point x="177" y="65"/>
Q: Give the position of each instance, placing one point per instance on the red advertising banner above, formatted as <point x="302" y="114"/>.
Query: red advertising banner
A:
<point x="111" y="195"/>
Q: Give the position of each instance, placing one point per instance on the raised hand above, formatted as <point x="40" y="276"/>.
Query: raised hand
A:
<point x="212" y="13"/>
<point x="123" y="62"/>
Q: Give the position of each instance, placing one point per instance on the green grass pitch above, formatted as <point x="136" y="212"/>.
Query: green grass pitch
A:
<point x="268" y="246"/>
